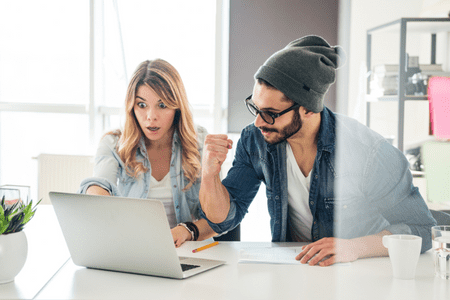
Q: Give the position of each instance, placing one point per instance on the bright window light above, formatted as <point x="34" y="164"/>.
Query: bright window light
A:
<point x="47" y="102"/>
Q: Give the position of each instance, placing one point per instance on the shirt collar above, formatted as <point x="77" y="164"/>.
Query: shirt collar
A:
<point x="326" y="139"/>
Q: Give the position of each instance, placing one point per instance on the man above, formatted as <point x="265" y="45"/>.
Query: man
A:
<point x="329" y="180"/>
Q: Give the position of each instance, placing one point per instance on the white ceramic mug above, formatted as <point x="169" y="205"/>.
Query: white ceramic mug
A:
<point x="404" y="251"/>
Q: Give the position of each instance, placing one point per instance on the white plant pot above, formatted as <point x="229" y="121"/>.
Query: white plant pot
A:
<point x="13" y="254"/>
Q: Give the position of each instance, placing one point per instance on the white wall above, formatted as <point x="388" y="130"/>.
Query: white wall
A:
<point x="366" y="14"/>
<point x="260" y="28"/>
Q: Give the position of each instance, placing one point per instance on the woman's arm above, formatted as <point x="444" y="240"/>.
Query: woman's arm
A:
<point x="180" y="234"/>
<point x="96" y="190"/>
<point x="106" y="170"/>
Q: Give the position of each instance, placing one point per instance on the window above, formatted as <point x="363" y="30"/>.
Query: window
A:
<point x="181" y="32"/>
<point x="44" y="51"/>
<point x="65" y="65"/>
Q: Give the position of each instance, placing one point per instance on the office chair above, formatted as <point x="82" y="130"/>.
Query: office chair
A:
<point x="442" y="218"/>
<point x="233" y="235"/>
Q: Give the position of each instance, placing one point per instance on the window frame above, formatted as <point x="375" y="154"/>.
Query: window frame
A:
<point x="98" y="114"/>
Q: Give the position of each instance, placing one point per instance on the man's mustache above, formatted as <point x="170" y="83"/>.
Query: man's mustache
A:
<point x="268" y="129"/>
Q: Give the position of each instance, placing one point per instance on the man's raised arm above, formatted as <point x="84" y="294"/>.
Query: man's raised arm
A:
<point x="214" y="197"/>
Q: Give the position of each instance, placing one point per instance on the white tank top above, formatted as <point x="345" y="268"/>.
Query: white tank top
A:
<point x="162" y="191"/>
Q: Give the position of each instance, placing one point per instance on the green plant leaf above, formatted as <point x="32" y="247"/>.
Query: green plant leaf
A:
<point x="3" y="224"/>
<point x="27" y="213"/>
<point x="14" y="217"/>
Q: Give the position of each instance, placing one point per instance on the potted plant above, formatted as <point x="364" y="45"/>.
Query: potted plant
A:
<point x="13" y="241"/>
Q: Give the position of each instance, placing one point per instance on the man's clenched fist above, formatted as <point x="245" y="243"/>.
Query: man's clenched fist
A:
<point x="214" y="154"/>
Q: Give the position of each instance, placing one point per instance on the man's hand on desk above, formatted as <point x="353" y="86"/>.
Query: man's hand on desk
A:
<point x="332" y="249"/>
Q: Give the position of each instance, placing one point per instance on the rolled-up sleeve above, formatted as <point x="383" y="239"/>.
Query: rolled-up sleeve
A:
<point x="388" y="186"/>
<point x="106" y="167"/>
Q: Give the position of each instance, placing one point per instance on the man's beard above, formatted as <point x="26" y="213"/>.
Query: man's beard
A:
<point x="287" y="131"/>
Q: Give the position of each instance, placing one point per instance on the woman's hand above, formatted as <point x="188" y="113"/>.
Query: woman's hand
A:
<point x="180" y="235"/>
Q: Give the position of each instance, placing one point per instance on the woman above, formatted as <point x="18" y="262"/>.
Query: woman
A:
<point x="158" y="154"/>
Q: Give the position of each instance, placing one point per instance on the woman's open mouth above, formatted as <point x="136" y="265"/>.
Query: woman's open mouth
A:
<point x="153" y="129"/>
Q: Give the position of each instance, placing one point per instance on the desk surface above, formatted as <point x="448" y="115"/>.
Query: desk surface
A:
<point x="362" y="279"/>
<point x="47" y="252"/>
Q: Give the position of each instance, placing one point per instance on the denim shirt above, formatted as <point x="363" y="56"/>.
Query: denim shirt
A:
<point x="360" y="184"/>
<point x="110" y="174"/>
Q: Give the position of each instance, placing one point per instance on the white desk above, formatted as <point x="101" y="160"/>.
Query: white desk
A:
<point x="47" y="252"/>
<point x="362" y="279"/>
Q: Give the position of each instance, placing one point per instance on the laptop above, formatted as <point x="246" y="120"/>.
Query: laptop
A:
<point x="122" y="234"/>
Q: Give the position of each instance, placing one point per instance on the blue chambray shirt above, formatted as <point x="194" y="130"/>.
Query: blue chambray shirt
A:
<point x="360" y="184"/>
<point x="110" y="174"/>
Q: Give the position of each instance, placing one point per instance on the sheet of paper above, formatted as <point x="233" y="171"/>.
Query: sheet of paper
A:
<point x="271" y="255"/>
<point x="274" y="255"/>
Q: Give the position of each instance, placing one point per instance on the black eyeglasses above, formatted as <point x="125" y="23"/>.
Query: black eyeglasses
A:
<point x="267" y="116"/>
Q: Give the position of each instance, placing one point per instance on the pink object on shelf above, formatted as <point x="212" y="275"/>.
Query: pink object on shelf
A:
<point x="439" y="98"/>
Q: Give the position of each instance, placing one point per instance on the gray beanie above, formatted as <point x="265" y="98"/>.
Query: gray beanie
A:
<point x="303" y="70"/>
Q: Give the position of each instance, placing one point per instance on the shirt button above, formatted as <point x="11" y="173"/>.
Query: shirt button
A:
<point x="345" y="206"/>
<point x="312" y="202"/>
<point x="315" y="222"/>
<point x="174" y="186"/>
<point x="276" y="197"/>
<point x="172" y="165"/>
<point x="178" y="206"/>
<point x="316" y="176"/>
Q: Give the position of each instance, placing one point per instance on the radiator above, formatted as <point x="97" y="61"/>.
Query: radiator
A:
<point x="62" y="173"/>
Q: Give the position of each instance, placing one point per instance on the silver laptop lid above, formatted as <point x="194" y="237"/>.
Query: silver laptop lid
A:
<point x="114" y="233"/>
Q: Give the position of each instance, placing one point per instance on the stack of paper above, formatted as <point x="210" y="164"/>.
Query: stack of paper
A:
<point x="271" y="255"/>
<point x="384" y="79"/>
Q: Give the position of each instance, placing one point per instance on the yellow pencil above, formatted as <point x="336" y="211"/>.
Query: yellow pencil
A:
<point x="205" y="247"/>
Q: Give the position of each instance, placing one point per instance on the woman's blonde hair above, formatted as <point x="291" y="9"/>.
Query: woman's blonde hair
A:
<point x="164" y="79"/>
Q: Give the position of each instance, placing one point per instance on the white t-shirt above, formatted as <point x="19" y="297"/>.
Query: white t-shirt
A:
<point x="162" y="191"/>
<point x="298" y="198"/>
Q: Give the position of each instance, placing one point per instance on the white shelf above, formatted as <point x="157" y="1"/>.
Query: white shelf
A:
<point x="403" y="27"/>
<point x="394" y="98"/>
<point x="415" y="25"/>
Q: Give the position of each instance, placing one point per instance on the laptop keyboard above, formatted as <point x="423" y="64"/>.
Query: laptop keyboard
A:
<point x="186" y="267"/>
